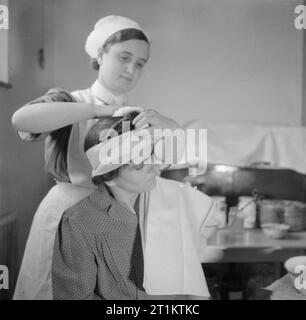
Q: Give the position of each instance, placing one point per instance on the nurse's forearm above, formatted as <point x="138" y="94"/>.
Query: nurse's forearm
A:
<point x="49" y="116"/>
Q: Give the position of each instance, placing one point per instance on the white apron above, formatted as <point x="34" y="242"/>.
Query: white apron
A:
<point x="34" y="280"/>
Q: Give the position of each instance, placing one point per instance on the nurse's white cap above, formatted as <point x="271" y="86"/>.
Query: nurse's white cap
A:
<point x="105" y="28"/>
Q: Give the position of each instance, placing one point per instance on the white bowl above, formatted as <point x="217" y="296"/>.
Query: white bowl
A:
<point x="275" y="230"/>
<point x="293" y="267"/>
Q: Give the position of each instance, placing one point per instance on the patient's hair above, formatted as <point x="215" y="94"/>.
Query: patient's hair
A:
<point x="93" y="138"/>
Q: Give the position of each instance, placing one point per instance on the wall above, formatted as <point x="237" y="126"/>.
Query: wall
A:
<point x="3" y="41"/>
<point x="304" y="78"/>
<point x="23" y="181"/>
<point x="217" y="60"/>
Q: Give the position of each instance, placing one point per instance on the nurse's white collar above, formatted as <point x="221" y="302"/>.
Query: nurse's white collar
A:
<point x="101" y="93"/>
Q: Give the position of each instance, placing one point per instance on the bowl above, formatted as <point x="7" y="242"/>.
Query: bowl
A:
<point x="275" y="230"/>
<point x="294" y="267"/>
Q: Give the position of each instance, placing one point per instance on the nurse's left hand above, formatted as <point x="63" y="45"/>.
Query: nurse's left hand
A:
<point x="154" y="120"/>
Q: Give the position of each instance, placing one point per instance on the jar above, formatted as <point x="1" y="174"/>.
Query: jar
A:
<point x="235" y="220"/>
<point x="248" y="207"/>
<point x="220" y="210"/>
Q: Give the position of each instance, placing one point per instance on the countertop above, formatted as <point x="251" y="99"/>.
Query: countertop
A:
<point x="255" y="238"/>
<point x="227" y="245"/>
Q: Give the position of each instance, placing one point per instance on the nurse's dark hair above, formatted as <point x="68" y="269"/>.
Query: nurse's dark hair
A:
<point x="120" y="36"/>
<point x="93" y="138"/>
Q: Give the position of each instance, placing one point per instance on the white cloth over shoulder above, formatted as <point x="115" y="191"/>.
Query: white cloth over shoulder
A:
<point x="172" y="263"/>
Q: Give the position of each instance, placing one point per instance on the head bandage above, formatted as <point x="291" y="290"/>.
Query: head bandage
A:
<point x="132" y="146"/>
<point x="105" y="28"/>
<point x="116" y="150"/>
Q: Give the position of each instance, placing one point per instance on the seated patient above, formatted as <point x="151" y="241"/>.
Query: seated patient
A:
<point x="98" y="250"/>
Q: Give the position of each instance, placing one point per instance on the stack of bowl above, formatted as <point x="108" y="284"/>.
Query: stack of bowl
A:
<point x="292" y="213"/>
<point x="295" y="215"/>
<point x="270" y="211"/>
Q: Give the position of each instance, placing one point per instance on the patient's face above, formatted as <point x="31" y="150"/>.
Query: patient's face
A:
<point x="137" y="178"/>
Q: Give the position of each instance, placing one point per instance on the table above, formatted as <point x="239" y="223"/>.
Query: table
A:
<point x="252" y="245"/>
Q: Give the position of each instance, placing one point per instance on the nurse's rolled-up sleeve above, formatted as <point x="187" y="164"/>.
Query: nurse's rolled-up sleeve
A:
<point x="74" y="271"/>
<point x="53" y="95"/>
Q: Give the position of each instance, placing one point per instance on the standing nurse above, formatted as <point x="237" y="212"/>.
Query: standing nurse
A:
<point x="119" y="49"/>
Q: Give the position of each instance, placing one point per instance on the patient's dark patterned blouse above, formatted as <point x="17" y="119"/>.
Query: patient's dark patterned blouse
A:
<point x="98" y="252"/>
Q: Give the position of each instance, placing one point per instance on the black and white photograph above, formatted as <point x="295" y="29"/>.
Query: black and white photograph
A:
<point x="153" y="150"/>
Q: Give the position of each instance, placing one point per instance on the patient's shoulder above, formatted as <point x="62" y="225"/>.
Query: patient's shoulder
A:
<point x="87" y="215"/>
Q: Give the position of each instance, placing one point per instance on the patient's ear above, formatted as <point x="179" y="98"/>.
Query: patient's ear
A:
<point x="110" y="183"/>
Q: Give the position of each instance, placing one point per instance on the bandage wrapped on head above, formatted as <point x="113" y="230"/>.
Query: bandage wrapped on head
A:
<point x="136" y="146"/>
<point x="116" y="150"/>
<point x="105" y="28"/>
